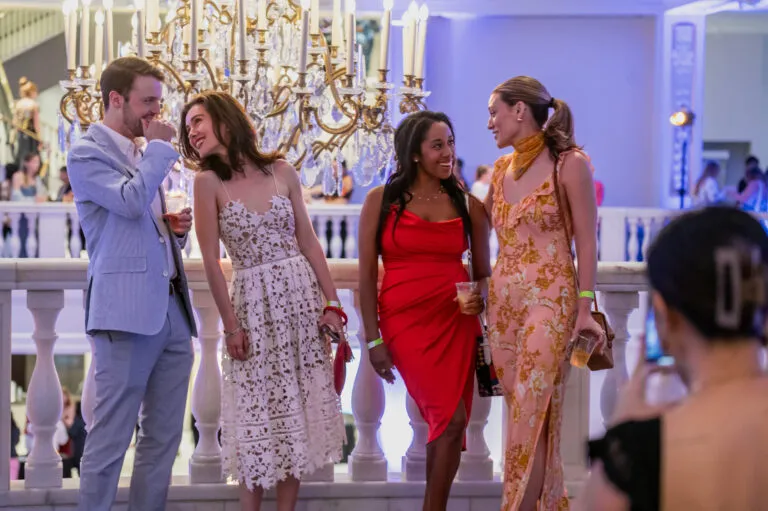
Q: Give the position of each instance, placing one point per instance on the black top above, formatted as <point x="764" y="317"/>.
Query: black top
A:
<point x="631" y="457"/>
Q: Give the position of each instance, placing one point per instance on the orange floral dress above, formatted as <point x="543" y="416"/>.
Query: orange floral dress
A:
<point x="532" y="312"/>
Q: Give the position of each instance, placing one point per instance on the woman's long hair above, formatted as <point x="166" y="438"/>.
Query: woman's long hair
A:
<point x="710" y="170"/>
<point x="558" y="129"/>
<point x="227" y="116"/>
<point x="409" y="136"/>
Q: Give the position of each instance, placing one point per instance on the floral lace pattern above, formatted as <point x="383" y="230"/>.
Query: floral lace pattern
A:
<point x="280" y="413"/>
<point x="531" y="305"/>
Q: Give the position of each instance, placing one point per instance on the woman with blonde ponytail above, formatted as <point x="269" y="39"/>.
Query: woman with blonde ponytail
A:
<point x="26" y="120"/>
<point x="534" y="304"/>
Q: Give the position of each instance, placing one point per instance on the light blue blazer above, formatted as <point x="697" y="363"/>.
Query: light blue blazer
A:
<point x="128" y="274"/>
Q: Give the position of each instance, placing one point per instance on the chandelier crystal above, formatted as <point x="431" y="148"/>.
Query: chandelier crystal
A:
<point x="308" y="97"/>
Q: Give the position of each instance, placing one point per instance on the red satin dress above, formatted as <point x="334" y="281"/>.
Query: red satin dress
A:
<point x="431" y="342"/>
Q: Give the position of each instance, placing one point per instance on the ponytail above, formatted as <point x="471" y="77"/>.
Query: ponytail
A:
<point x="558" y="131"/>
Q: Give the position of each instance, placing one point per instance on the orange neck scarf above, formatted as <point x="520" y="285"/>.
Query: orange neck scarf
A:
<point x="526" y="152"/>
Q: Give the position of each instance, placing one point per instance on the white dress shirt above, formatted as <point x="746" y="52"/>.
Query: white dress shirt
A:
<point x="133" y="152"/>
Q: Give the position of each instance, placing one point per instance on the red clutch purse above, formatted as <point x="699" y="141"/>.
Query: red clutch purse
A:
<point x="343" y="355"/>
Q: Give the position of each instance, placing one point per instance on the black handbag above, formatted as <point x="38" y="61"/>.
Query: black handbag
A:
<point x="488" y="384"/>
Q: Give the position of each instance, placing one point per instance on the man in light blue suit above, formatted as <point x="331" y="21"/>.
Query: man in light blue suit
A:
<point x="137" y="306"/>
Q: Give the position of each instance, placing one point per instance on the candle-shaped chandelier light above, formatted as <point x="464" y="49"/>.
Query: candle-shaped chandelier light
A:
<point x="307" y="97"/>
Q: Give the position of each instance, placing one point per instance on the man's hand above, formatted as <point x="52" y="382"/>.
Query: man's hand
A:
<point x="180" y="222"/>
<point x="157" y="129"/>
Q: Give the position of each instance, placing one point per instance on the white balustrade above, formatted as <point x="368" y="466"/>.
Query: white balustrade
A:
<point x="44" y="399"/>
<point x="476" y="463"/>
<point x="414" y="464"/>
<point x="624" y="233"/>
<point x="367" y="461"/>
<point x="87" y="400"/>
<point x="46" y="280"/>
<point x="619" y="297"/>
<point x="205" y="464"/>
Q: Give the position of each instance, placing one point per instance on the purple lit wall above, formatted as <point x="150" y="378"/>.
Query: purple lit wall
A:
<point x="604" y="67"/>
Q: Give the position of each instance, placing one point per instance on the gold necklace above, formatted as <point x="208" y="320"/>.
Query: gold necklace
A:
<point x="430" y="197"/>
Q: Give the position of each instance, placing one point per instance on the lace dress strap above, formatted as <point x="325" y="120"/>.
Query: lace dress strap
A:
<point x="631" y="457"/>
<point x="274" y="178"/>
<point x="224" y="186"/>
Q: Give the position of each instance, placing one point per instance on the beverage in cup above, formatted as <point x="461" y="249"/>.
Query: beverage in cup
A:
<point x="464" y="291"/>
<point x="175" y="200"/>
<point x="583" y="347"/>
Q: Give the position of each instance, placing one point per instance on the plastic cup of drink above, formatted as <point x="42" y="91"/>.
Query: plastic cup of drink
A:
<point x="583" y="347"/>
<point x="175" y="201"/>
<point x="464" y="291"/>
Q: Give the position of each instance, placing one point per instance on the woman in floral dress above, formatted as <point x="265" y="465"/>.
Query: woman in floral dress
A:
<point x="534" y="308"/>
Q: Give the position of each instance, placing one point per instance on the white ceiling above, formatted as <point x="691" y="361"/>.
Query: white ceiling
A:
<point x="465" y="7"/>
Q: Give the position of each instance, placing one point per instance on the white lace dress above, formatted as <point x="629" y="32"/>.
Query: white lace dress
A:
<point x="280" y="413"/>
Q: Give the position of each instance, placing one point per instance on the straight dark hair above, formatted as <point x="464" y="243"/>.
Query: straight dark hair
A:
<point x="241" y="146"/>
<point x="409" y="135"/>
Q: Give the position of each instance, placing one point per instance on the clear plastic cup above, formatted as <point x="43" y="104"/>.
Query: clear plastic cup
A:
<point x="583" y="347"/>
<point x="464" y="291"/>
<point x="175" y="201"/>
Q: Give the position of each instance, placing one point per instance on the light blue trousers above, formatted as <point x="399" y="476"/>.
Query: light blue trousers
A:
<point x="145" y="377"/>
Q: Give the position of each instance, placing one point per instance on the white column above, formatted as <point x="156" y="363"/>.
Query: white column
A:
<point x="15" y="240"/>
<point x="205" y="463"/>
<point x="87" y="400"/>
<point x="336" y="236"/>
<point x="5" y="388"/>
<point x="44" y="401"/>
<point x="32" y="238"/>
<point x="618" y="305"/>
<point x="367" y="461"/>
<point x="681" y="38"/>
<point x="613" y="241"/>
<point x="476" y="462"/>
<point x="414" y="464"/>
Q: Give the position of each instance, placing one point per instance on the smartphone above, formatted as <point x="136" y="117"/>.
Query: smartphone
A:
<point x="654" y="353"/>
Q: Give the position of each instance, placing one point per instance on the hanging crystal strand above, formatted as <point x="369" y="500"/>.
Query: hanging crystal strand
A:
<point x="62" y="134"/>
<point x="329" y="181"/>
<point x="340" y="163"/>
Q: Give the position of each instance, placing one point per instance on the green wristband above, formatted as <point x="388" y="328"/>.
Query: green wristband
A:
<point x="376" y="342"/>
<point x="587" y="294"/>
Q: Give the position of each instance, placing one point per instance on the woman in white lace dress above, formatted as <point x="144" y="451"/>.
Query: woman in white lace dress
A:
<point x="281" y="417"/>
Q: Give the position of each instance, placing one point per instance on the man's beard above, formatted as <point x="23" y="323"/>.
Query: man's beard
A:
<point x="132" y="122"/>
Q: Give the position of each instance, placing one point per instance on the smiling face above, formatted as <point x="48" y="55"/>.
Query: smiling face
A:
<point x="140" y="106"/>
<point x="503" y="121"/>
<point x="202" y="136"/>
<point x="437" y="151"/>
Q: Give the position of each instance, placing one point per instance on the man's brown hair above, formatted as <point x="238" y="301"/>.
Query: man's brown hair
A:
<point x="121" y="73"/>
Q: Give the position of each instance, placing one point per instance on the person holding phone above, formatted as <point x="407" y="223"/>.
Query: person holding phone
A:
<point x="708" y="274"/>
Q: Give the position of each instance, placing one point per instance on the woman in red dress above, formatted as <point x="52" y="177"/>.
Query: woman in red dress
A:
<point x="419" y="222"/>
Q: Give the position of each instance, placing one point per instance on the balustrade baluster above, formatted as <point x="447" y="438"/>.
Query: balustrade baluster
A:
<point x="336" y="236"/>
<point x="75" y="245"/>
<point x="476" y="462"/>
<point x="87" y="402"/>
<point x="44" y="400"/>
<point x="205" y="463"/>
<point x="633" y="244"/>
<point x="618" y="305"/>
<point x="414" y="464"/>
<point x="367" y="461"/>
<point x="32" y="241"/>
<point x="350" y="244"/>
<point x="322" y="229"/>
<point x="15" y="239"/>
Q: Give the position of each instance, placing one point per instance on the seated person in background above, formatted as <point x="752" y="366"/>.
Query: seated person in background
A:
<point x="65" y="192"/>
<point x="708" y="451"/>
<point x="482" y="182"/>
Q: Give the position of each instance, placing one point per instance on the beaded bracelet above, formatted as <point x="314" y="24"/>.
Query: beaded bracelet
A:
<point x="338" y="311"/>
<point x="587" y="294"/>
<point x="376" y="342"/>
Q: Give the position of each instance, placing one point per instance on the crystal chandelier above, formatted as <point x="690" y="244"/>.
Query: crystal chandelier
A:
<point x="308" y="97"/>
